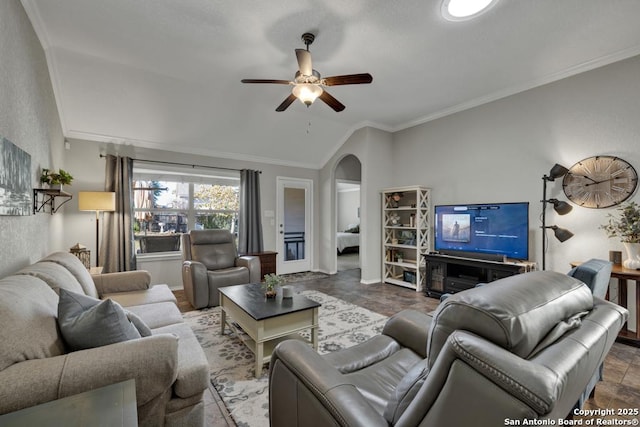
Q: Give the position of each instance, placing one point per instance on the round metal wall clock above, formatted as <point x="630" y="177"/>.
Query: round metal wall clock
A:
<point x="600" y="182"/>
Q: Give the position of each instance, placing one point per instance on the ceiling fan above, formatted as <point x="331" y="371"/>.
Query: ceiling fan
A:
<point x="308" y="85"/>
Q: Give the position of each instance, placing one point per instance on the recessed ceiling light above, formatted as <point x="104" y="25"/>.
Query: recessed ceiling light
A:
<point x="461" y="10"/>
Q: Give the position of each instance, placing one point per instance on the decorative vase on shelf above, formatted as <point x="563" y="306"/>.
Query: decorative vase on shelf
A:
<point x="633" y="256"/>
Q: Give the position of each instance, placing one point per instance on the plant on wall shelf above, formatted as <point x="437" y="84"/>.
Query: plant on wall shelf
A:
<point x="627" y="225"/>
<point x="61" y="177"/>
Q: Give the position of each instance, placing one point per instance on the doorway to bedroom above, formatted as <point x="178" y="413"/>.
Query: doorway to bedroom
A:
<point x="347" y="177"/>
<point x="348" y="225"/>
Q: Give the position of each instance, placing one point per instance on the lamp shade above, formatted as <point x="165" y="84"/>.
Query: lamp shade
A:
<point x="307" y="92"/>
<point x="557" y="171"/>
<point x="562" y="208"/>
<point x="561" y="234"/>
<point x="97" y="201"/>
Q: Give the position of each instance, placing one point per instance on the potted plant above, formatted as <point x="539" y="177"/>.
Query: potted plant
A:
<point x="271" y="281"/>
<point x="626" y="226"/>
<point x="399" y="256"/>
<point x="55" y="180"/>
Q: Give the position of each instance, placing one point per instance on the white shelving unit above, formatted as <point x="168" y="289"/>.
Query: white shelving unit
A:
<point x="406" y="235"/>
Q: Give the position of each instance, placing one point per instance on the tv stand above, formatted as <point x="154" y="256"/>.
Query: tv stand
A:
<point x="450" y="274"/>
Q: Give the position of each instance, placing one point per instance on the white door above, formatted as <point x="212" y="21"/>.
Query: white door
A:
<point x="294" y="239"/>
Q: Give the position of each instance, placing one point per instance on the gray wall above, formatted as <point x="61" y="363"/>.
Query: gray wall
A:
<point x="499" y="152"/>
<point x="29" y="119"/>
<point x="373" y="147"/>
<point x="84" y="160"/>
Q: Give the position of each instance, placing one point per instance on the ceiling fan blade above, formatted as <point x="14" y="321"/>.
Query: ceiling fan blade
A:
<point x="348" y="79"/>
<point x="331" y="101"/>
<point x="279" y="82"/>
<point x="304" y="62"/>
<point x="285" y="104"/>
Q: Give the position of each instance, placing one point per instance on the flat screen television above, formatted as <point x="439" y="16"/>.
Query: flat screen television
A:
<point x="488" y="230"/>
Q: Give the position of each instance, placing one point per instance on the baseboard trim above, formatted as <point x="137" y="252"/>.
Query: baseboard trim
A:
<point x="370" y="281"/>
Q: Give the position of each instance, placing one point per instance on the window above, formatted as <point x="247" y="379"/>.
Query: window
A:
<point x="169" y="201"/>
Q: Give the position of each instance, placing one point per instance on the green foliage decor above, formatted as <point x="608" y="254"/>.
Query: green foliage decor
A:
<point x="61" y="177"/>
<point x="270" y="282"/>
<point x="627" y="225"/>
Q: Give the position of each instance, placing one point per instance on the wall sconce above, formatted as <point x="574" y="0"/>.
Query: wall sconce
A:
<point x="98" y="201"/>
<point x="561" y="208"/>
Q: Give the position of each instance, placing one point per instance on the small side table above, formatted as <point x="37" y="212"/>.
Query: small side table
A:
<point x="112" y="405"/>
<point x="622" y="274"/>
<point x="267" y="262"/>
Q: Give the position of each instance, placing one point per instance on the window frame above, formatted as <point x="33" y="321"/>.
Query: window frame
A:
<point x="181" y="175"/>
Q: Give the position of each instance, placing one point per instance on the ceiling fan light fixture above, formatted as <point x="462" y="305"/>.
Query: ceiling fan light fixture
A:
<point x="462" y="10"/>
<point x="307" y="92"/>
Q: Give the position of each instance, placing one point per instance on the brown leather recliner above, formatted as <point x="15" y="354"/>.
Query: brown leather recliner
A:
<point x="210" y="261"/>
<point x="523" y="348"/>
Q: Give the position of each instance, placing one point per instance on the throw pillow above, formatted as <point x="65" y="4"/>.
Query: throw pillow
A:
<point x="139" y="324"/>
<point x="87" y="322"/>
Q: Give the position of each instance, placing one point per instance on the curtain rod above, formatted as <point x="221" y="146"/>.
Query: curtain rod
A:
<point x="185" y="164"/>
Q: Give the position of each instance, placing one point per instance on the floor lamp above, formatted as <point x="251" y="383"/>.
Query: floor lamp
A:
<point x="97" y="201"/>
<point x="562" y="208"/>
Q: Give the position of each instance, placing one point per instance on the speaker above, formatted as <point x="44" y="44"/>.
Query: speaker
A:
<point x="287" y="292"/>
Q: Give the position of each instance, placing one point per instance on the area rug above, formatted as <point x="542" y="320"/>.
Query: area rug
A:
<point x="342" y="325"/>
<point x="303" y="277"/>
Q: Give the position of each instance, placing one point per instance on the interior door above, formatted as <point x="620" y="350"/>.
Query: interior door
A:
<point x="294" y="239"/>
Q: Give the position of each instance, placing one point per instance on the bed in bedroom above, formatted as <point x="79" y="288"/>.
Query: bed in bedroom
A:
<point x="348" y="239"/>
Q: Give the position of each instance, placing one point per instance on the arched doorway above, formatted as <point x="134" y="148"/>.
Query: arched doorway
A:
<point x="347" y="184"/>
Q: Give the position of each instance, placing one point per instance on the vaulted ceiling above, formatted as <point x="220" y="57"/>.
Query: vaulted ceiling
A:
<point x="166" y="73"/>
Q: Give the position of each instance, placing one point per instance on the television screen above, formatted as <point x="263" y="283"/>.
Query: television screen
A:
<point x="497" y="229"/>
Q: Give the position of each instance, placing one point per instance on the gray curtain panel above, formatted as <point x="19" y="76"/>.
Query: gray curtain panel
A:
<point x="117" y="246"/>
<point x="250" y="225"/>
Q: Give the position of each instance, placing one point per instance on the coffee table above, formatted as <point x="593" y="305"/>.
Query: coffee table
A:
<point x="266" y="321"/>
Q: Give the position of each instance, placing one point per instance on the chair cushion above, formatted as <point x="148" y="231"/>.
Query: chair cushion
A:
<point x="87" y="322"/>
<point x="515" y="313"/>
<point x="153" y="295"/>
<point x="228" y="277"/>
<point x="28" y="328"/>
<point x="362" y="355"/>
<point x="213" y="248"/>
<point x="158" y="314"/>
<point x="54" y="275"/>
<point x="193" y="367"/>
<point x="378" y="382"/>
<point x="76" y="268"/>
<point x="406" y="391"/>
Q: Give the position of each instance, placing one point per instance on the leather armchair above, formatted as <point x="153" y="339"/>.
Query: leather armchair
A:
<point x="523" y="348"/>
<point x="210" y="261"/>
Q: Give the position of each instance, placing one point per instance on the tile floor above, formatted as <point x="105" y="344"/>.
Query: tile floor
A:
<point x="620" y="389"/>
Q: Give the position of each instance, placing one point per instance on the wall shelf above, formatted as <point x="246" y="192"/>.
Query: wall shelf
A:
<point x="44" y="200"/>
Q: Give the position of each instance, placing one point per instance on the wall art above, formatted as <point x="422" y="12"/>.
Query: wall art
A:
<point x="15" y="179"/>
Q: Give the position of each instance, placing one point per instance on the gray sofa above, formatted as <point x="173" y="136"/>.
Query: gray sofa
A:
<point x="524" y="347"/>
<point x="36" y="366"/>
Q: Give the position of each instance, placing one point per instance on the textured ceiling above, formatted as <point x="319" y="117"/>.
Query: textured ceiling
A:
<point x="166" y="73"/>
